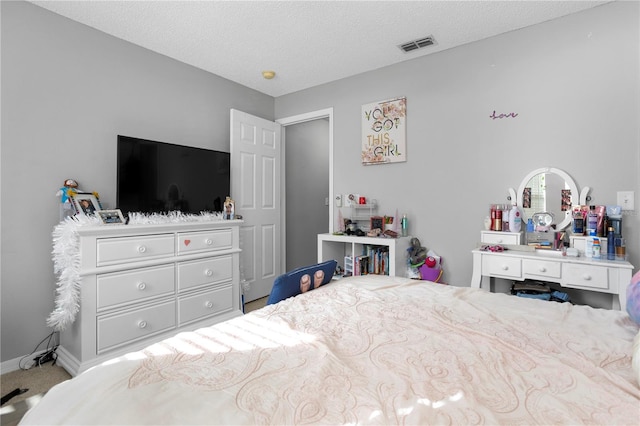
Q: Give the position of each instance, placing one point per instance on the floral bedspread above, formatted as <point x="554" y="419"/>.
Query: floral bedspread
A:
<point x="372" y="350"/>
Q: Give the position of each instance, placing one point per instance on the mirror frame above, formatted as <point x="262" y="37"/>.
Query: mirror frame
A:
<point x="575" y="195"/>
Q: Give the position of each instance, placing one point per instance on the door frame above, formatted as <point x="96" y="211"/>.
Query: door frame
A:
<point x="288" y="121"/>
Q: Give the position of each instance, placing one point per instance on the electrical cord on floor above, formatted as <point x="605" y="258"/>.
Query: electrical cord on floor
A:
<point x="48" y="355"/>
<point x="15" y="392"/>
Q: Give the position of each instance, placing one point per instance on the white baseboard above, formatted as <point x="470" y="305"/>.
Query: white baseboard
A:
<point x="14" y="364"/>
<point x="11" y="365"/>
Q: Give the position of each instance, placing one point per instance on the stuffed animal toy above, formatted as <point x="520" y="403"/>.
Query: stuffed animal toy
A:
<point x="417" y="253"/>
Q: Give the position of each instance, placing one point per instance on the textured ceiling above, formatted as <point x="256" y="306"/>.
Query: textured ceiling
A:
<point x="307" y="43"/>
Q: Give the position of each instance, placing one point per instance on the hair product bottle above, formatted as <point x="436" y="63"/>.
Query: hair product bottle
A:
<point x="596" y="248"/>
<point x="592" y="220"/>
<point x="405" y="225"/>
<point x="515" y="219"/>
<point x="611" y="242"/>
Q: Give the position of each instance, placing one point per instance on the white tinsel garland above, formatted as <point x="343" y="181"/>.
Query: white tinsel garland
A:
<point x="66" y="262"/>
<point x="66" y="258"/>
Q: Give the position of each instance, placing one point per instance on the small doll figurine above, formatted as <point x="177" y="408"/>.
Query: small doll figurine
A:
<point x="228" y="208"/>
<point x="69" y="188"/>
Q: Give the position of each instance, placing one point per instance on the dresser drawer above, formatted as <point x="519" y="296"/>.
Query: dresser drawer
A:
<point x="204" y="272"/>
<point x="194" y="242"/>
<point x="205" y="304"/>
<point x="120" y="329"/>
<point x="494" y="237"/>
<point x="542" y="268"/>
<point x="585" y="276"/>
<point x="121" y="250"/>
<point x="134" y="286"/>
<point x="502" y="266"/>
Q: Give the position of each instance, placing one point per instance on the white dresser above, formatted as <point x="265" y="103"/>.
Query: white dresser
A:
<point x="143" y="283"/>
<point x="571" y="272"/>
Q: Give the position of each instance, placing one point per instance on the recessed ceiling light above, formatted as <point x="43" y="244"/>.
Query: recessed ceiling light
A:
<point x="268" y="74"/>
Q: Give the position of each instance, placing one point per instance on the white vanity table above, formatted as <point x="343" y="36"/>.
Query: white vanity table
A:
<point x="547" y="265"/>
<point x="571" y="272"/>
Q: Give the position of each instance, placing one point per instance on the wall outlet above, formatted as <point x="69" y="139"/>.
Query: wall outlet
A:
<point x="626" y="200"/>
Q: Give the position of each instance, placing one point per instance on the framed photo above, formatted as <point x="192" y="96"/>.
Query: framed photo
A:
<point x="111" y="217"/>
<point x="229" y="209"/>
<point x="86" y="203"/>
<point x="377" y="222"/>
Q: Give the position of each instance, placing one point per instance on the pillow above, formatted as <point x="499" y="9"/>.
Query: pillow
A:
<point x="633" y="298"/>
<point x="301" y="280"/>
<point x="635" y="358"/>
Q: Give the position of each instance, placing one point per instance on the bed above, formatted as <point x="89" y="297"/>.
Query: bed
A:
<point x="372" y="350"/>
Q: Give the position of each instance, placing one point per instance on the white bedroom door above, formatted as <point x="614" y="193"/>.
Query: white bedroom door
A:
<point x="255" y="189"/>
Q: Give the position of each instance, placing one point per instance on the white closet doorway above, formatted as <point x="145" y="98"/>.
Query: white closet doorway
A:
<point x="307" y="191"/>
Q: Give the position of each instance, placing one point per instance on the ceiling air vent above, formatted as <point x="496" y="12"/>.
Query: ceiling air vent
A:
<point x="417" y="44"/>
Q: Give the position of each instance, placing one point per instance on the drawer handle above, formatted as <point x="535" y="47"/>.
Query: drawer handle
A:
<point x="505" y="268"/>
<point x="542" y="269"/>
<point x="142" y="286"/>
<point x="500" y="241"/>
<point x="208" y="272"/>
<point x="208" y="304"/>
<point x="586" y="277"/>
<point x="142" y="249"/>
<point x="142" y="324"/>
<point x="208" y="241"/>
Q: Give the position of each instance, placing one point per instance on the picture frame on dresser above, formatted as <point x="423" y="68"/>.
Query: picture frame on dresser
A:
<point x="376" y="222"/>
<point x="111" y="217"/>
<point x="86" y="203"/>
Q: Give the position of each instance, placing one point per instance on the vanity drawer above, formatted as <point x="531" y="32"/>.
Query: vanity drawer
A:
<point x="205" y="304"/>
<point x="134" y="286"/>
<point x="495" y="237"/>
<point x="542" y="268"/>
<point x="120" y="250"/>
<point x="501" y="266"/>
<point x="204" y="272"/>
<point x="193" y="242"/>
<point x="585" y="276"/>
<point x="119" y="329"/>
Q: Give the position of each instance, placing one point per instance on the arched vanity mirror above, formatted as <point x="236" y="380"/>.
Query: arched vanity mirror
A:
<point x="548" y="190"/>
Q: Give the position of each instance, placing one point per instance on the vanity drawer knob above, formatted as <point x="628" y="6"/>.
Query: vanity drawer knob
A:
<point x="142" y="324"/>
<point x="142" y="249"/>
<point x="208" y="241"/>
<point x="208" y="272"/>
<point x="542" y="269"/>
<point x="500" y="241"/>
<point x="208" y="304"/>
<point x="586" y="277"/>
<point x="142" y="286"/>
<point x="505" y="268"/>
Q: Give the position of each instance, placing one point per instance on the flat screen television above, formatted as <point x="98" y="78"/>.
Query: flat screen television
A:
<point x="159" y="177"/>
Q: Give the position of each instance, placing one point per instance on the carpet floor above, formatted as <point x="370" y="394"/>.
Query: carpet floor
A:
<point x="38" y="380"/>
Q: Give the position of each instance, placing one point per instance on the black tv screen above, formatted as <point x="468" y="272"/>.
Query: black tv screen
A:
<point x="159" y="177"/>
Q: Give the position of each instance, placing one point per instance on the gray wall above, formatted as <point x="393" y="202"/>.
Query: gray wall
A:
<point x="574" y="83"/>
<point x="307" y="186"/>
<point x="67" y="91"/>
